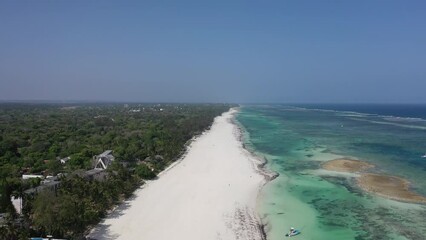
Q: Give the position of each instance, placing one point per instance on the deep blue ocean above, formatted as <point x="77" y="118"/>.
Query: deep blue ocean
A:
<point x="296" y="139"/>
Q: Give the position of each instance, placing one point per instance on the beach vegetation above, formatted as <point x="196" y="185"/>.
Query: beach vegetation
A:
<point x="36" y="138"/>
<point x="144" y="172"/>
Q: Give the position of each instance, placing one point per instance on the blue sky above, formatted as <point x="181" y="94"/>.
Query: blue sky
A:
<point x="214" y="51"/>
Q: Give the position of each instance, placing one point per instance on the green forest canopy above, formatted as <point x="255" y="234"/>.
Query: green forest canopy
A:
<point x="145" y="138"/>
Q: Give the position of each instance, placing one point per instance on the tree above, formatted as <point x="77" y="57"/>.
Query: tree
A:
<point x="144" y="172"/>
<point x="54" y="167"/>
<point x="79" y="161"/>
<point x="45" y="213"/>
<point x="5" y="202"/>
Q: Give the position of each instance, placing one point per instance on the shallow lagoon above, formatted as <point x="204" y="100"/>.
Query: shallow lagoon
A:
<point x="296" y="140"/>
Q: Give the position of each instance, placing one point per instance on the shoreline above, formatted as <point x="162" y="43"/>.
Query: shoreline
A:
<point x="210" y="192"/>
<point x="259" y="167"/>
<point x="262" y="161"/>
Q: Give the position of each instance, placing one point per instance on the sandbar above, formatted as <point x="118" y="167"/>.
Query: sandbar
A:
<point x="390" y="187"/>
<point x="346" y="165"/>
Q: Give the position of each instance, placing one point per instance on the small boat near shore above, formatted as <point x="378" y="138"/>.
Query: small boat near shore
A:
<point x="293" y="233"/>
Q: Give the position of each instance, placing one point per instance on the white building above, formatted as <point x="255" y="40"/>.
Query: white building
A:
<point x="17" y="204"/>
<point x="28" y="176"/>
<point x="103" y="160"/>
<point x="64" y="160"/>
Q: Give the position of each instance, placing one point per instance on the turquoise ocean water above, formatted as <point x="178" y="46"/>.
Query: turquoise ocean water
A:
<point x="297" y="139"/>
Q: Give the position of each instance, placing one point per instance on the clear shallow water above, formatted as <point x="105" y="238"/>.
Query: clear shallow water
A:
<point x="295" y="140"/>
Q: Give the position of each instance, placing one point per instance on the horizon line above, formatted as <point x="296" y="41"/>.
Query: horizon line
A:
<point x="45" y="101"/>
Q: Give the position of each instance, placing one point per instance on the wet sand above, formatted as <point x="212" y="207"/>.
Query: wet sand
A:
<point x="390" y="187"/>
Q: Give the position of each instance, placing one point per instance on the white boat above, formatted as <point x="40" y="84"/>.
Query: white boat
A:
<point x="424" y="156"/>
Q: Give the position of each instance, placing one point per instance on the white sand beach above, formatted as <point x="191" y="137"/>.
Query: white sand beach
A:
<point x="210" y="194"/>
